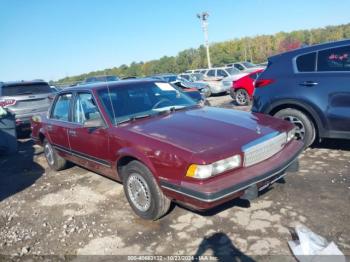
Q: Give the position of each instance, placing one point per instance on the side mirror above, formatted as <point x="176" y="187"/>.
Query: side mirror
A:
<point x="94" y="123"/>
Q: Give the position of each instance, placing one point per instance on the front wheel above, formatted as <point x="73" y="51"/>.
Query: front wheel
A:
<point x="305" y="129"/>
<point x="242" y="97"/>
<point x="143" y="193"/>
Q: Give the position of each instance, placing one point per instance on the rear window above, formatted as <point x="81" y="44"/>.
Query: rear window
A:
<point x="306" y="63"/>
<point x="335" y="59"/>
<point x="31" y="89"/>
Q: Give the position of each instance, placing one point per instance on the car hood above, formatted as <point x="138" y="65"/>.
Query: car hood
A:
<point x="208" y="130"/>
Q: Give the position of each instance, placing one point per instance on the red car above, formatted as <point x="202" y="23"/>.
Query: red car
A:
<point x="163" y="146"/>
<point x="242" y="90"/>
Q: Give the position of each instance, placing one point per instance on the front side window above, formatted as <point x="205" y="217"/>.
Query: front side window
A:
<point x="211" y="73"/>
<point x="334" y="59"/>
<point x="61" y="108"/>
<point x="85" y="108"/>
<point x="222" y="73"/>
<point x="239" y="67"/>
<point x="146" y="99"/>
<point x="306" y="63"/>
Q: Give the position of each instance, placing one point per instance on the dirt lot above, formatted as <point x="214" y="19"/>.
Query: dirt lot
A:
<point x="76" y="212"/>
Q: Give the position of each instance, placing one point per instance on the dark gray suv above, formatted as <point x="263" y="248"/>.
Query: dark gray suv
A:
<point x="309" y="87"/>
<point x="24" y="99"/>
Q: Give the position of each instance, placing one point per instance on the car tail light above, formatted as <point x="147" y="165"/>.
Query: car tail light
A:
<point x="263" y="82"/>
<point x="7" y="102"/>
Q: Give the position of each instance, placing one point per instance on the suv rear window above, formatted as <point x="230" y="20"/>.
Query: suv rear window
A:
<point x="26" y="89"/>
<point x="306" y="63"/>
<point x="334" y="59"/>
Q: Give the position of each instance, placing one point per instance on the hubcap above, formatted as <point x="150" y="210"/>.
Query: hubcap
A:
<point x="139" y="192"/>
<point x="241" y="97"/>
<point x="49" y="154"/>
<point x="300" y="129"/>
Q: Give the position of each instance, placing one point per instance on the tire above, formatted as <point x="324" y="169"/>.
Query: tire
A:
<point x="55" y="161"/>
<point x="305" y="127"/>
<point x="242" y="97"/>
<point x="152" y="203"/>
<point x="232" y="93"/>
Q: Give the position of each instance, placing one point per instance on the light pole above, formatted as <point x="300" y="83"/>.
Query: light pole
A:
<point x="203" y="17"/>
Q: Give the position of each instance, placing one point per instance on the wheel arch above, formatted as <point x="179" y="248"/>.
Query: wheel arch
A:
<point x="127" y="155"/>
<point x="306" y="109"/>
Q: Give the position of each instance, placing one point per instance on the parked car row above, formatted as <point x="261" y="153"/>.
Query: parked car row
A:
<point x="156" y="136"/>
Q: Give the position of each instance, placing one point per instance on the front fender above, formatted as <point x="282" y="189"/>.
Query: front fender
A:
<point x="140" y="156"/>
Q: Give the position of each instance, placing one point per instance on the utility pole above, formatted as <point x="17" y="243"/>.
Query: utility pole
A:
<point x="203" y="17"/>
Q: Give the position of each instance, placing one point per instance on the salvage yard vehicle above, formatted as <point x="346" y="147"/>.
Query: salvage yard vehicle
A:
<point x="246" y="66"/>
<point x="310" y="88"/>
<point x="220" y="79"/>
<point x="25" y="99"/>
<point x="163" y="146"/>
<point x="242" y="89"/>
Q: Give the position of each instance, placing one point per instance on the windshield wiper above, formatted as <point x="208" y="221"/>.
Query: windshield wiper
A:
<point x="133" y="118"/>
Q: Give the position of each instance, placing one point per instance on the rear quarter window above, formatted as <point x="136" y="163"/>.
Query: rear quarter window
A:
<point x="32" y="89"/>
<point x="334" y="59"/>
<point x="306" y="63"/>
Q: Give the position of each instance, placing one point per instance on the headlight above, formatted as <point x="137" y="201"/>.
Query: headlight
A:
<point x="205" y="171"/>
<point x="291" y="134"/>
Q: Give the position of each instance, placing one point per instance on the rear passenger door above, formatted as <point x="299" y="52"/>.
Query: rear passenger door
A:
<point x="333" y="67"/>
<point x="59" y="123"/>
<point x="323" y="80"/>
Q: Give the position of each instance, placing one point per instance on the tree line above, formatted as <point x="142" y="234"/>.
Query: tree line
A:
<point x="255" y="49"/>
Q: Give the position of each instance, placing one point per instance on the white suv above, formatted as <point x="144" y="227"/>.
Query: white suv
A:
<point x="220" y="79"/>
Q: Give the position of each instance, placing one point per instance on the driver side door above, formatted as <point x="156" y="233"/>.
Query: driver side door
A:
<point x="89" y="145"/>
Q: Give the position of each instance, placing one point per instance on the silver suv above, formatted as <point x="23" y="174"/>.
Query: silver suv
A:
<point x="24" y="99"/>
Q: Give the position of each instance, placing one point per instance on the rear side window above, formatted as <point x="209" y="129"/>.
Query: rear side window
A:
<point x="61" y="108"/>
<point x="334" y="59"/>
<point x="26" y="89"/>
<point x="306" y="63"/>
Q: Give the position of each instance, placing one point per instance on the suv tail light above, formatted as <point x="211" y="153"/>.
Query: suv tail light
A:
<point x="263" y="82"/>
<point x="7" y="102"/>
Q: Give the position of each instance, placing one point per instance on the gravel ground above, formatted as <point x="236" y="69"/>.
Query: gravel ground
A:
<point x="77" y="212"/>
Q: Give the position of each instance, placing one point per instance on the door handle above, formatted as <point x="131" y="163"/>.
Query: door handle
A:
<point x="72" y="132"/>
<point x="308" y="83"/>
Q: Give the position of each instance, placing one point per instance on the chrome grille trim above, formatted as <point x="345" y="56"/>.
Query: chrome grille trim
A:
<point x="263" y="148"/>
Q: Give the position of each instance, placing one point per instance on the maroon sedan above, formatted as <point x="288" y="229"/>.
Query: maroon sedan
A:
<point x="163" y="146"/>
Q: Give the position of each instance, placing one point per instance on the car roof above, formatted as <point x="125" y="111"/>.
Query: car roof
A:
<point x="101" y="85"/>
<point x="23" y="82"/>
<point x="311" y="48"/>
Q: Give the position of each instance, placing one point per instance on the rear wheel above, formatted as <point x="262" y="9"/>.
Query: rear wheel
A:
<point x="242" y="97"/>
<point x="143" y="193"/>
<point x="55" y="161"/>
<point x="305" y="129"/>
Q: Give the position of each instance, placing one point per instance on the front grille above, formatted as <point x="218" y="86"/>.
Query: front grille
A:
<point x="263" y="148"/>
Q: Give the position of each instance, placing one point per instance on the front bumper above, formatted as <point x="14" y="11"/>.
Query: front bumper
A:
<point x="215" y="191"/>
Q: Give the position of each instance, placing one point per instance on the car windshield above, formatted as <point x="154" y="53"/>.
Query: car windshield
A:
<point x="26" y="89"/>
<point x="248" y="65"/>
<point x="129" y="102"/>
<point x="232" y="71"/>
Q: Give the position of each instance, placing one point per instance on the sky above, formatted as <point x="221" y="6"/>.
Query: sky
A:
<point x="52" y="39"/>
